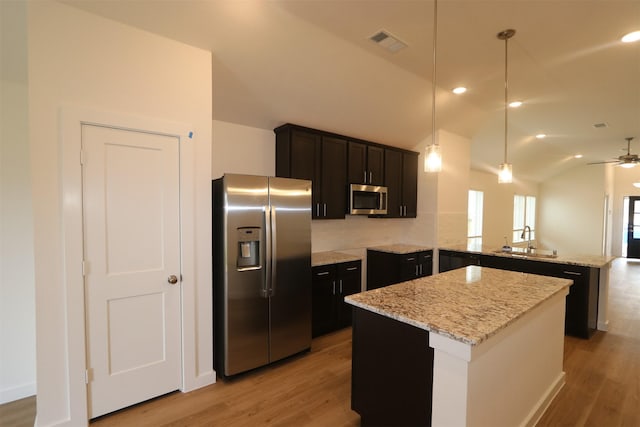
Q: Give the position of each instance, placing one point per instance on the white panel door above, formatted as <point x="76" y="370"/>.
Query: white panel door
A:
<point x="132" y="250"/>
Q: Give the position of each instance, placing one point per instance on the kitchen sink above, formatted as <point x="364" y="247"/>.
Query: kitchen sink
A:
<point x="525" y="253"/>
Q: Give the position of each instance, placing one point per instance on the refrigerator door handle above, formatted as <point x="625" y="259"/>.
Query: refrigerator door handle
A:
<point x="266" y="277"/>
<point x="274" y="254"/>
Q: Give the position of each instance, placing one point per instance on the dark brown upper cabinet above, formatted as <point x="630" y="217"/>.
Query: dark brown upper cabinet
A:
<point x="366" y="164"/>
<point x="319" y="158"/>
<point x="333" y="161"/>
<point x="401" y="179"/>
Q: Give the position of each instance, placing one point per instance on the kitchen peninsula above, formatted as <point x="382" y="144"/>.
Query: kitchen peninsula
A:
<point x="586" y="308"/>
<point x="473" y="346"/>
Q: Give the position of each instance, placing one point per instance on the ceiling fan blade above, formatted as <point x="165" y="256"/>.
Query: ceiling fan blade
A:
<point x="599" y="163"/>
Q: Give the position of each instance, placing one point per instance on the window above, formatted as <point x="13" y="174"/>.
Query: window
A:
<point x="524" y="213"/>
<point x="474" y="224"/>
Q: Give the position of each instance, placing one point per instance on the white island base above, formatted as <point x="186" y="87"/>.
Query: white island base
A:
<point x="508" y="379"/>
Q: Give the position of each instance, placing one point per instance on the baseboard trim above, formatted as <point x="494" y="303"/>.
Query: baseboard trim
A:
<point x="16" y="393"/>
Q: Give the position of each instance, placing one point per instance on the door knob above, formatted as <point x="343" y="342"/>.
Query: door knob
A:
<point x="172" y="279"/>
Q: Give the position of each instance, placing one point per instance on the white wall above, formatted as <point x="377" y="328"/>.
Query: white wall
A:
<point x="17" y="287"/>
<point x="498" y="206"/>
<point x="80" y="60"/>
<point x="571" y="210"/>
<point x="624" y="179"/>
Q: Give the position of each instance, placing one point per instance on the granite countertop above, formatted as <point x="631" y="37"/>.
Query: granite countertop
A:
<point x="597" y="261"/>
<point x="400" y="248"/>
<point x="468" y="305"/>
<point x="332" y="257"/>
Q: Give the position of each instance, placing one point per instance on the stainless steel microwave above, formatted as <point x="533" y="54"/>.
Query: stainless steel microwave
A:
<point x="367" y="199"/>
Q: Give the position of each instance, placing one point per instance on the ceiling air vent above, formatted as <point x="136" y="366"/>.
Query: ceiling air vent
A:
<point x="600" y="125"/>
<point x="388" y="41"/>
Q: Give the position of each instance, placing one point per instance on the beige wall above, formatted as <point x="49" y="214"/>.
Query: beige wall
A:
<point x="498" y="206"/>
<point x="242" y="149"/>
<point x="17" y="287"/>
<point x="80" y="60"/>
<point x="571" y="210"/>
<point x="452" y="189"/>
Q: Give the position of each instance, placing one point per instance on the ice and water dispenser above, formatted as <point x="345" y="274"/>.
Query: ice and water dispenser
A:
<point x="249" y="243"/>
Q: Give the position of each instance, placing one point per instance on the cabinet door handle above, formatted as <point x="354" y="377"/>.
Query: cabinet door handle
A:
<point x="334" y="287"/>
<point x="405" y="210"/>
<point x="322" y="273"/>
<point x="421" y="269"/>
<point x="411" y="259"/>
<point x="317" y="209"/>
<point x="573" y="273"/>
<point x="365" y="176"/>
<point x="352" y="268"/>
<point x="340" y="286"/>
<point x="416" y="270"/>
<point x="370" y="177"/>
<point x="325" y="209"/>
<point x="400" y="210"/>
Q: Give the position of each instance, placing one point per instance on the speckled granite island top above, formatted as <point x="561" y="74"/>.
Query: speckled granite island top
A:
<point x="331" y="257"/>
<point x="468" y="305"/>
<point x="400" y="248"/>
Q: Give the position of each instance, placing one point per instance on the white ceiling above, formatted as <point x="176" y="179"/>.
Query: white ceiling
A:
<point x="311" y="63"/>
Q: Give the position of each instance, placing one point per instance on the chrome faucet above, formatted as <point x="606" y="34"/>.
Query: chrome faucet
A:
<point x="529" y="245"/>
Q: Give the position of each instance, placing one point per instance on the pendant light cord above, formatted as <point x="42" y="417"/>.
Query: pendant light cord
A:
<point x="433" y="81"/>
<point x="506" y="91"/>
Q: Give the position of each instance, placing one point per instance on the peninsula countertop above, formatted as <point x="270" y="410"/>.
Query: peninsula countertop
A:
<point x="468" y="305"/>
<point x="597" y="261"/>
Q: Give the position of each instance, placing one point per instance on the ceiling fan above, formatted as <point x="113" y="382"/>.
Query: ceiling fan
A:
<point x="627" y="160"/>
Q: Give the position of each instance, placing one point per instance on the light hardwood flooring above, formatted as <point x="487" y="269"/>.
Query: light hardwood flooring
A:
<point x="602" y="389"/>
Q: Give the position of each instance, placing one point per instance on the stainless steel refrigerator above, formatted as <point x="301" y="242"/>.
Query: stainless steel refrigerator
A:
<point x="262" y="270"/>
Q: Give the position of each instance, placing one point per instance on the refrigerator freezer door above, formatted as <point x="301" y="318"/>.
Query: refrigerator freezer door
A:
<point x="246" y="312"/>
<point x="291" y="246"/>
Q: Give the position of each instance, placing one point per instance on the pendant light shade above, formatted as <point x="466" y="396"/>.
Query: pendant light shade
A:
<point x="433" y="155"/>
<point x="505" y="174"/>
<point x="433" y="159"/>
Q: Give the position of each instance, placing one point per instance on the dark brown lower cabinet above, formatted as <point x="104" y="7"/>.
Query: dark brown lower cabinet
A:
<point x="392" y="371"/>
<point x="386" y="268"/>
<point x="330" y="284"/>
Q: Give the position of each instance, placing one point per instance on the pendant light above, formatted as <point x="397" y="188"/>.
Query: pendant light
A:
<point x="433" y="155"/>
<point x="505" y="173"/>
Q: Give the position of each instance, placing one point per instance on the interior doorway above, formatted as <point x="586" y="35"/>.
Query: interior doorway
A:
<point x="631" y="235"/>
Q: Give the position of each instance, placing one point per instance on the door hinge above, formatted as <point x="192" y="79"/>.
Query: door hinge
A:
<point x="88" y="375"/>
<point x="82" y="157"/>
<point x="85" y="267"/>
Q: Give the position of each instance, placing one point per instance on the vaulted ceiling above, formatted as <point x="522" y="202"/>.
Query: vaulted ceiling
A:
<point x="312" y="63"/>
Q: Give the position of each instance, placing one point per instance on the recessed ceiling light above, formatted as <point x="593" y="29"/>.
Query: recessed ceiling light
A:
<point x="631" y="37"/>
<point x="515" y="104"/>
<point x="577" y="156"/>
<point x="541" y="135"/>
<point x="459" y="90"/>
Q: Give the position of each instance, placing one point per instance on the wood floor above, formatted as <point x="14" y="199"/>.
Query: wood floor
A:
<point x="602" y="389"/>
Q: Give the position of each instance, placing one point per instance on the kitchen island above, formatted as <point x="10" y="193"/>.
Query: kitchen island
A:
<point x="473" y="346"/>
